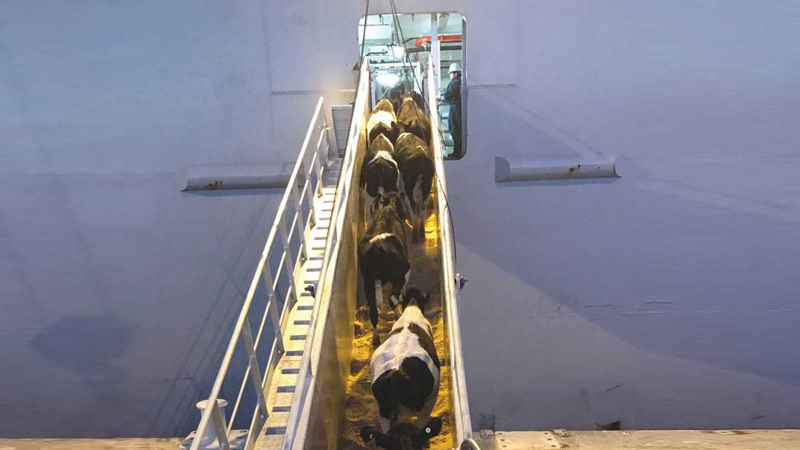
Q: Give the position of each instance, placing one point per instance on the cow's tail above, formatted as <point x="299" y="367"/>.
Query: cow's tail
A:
<point x="419" y="187"/>
<point x="382" y="178"/>
<point x="417" y="192"/>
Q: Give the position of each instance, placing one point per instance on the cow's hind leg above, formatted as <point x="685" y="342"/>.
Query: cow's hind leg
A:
<point x="397" y="291"/>
<point x="369" y="292"/>
<point x="368" y="201"/>
<point x="414" y="220"/>
<point x="425" y="413"/>
<point x="419" y="223"/>
<point x="386" y="424"/>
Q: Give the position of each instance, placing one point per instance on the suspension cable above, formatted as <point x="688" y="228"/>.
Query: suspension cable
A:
<point x="399" y="31"/>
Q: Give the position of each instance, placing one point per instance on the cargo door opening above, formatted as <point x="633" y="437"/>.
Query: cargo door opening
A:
<point x="398" y="47"/>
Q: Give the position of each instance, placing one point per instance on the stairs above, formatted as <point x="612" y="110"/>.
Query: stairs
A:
<point x="284" y="381"/>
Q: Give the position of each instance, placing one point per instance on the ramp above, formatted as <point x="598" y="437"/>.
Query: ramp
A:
<point x="313" y="389"/>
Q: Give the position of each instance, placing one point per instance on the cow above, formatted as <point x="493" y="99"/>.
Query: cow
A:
<point x="379" y="171"/>
<point x="417" y="99"/>
<point x="395" y="96"/>
<point x="405" y="369"/>
<point x="383" y="255"/>
<point x="411" y="118"/>
<point x="416" y="171"/>
<point x="382" y="120"/>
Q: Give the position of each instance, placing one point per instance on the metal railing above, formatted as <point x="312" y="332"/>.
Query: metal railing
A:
<point x="297" y="204"/>
<point x="298" y="418"/>
<point x="461" y="414"/>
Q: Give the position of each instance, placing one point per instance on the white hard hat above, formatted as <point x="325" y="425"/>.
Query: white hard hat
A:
<point x="455" y="67"/>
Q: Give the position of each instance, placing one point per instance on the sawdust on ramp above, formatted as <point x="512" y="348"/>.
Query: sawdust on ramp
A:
<point x="361" y="407"/>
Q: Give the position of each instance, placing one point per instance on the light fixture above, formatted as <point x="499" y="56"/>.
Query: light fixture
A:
<point x="387" y="79"/>
<point x="398" y="51"/>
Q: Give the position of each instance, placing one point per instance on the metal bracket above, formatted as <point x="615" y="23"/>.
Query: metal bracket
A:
<point x="469" y="444"/>
<point x="237" y="441"/>
<point x="460" y="281"/>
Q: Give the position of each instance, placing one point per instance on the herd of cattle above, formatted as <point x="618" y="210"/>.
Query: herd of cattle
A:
<point x="396" y="178"/>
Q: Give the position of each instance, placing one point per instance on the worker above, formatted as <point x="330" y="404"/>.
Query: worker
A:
<point x="453" y="95"/>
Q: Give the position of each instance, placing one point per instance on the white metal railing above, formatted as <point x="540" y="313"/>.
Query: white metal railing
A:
<point x="308" y="169"/>
<point x="298" y="417"/>
<point x="460" y="414"/>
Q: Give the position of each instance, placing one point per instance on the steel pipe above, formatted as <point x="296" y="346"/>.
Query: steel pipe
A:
<point x="214" y="178"/>
<point x="505" y="170"/>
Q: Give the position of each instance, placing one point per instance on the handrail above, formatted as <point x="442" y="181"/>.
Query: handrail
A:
<point x="242" y="328"/>
<point x="298" y="418"/>
<point x="460" y="406"/>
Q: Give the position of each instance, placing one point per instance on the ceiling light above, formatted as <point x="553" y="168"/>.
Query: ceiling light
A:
<point x="387" y="79"/>
<point x="398" y="51"/>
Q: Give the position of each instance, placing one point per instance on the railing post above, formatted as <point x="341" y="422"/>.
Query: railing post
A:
<point x="329" y="141"/>
<point x="273" y="309"/>
<point x="219" y="426"/>
<point x="318" y="188"/>
<point x="252" y="364"/>
<point x="308" y="186"/>
<point x="319" y="162"/>
<point x="276" y="324"/>
<point x="287" y="261"/>
<point x="300" y="224"/>
<point x="312" y="214"/>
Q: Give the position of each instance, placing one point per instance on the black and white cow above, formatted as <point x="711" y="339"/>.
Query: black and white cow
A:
<point x="416" y="171"/>
<point x="383" y="255"/>
<point x="395" y="96"/>
<point x="405" y="368"/>
<point x="411" y="118"/>
<point x="379" y="171"/>
<point x="382" y="120"/>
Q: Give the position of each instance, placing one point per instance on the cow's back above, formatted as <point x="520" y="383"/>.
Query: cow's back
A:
<point x="382" y="256"/>
<point x="382" y="121"/>
<point x="384" y="105"/>
<point x="379" y="172"/>
<point x="381" y="143"/>
<point x="406" y="358"/>
<point x="387" y="220"/>
<point x="414" y="162"/>
<point x="379" y="169"/>
<point x="411" y="119"/>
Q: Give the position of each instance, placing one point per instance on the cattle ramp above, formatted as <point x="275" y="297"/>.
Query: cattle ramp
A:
<point x="300" y="378"/>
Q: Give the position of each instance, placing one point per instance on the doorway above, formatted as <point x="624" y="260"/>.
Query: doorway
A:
<point x="396" y="47"/>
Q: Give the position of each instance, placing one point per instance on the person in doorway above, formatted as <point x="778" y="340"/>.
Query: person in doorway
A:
<point x="452" y="95"/>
